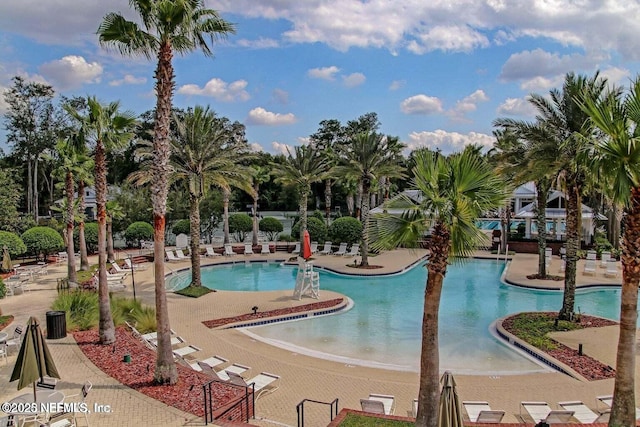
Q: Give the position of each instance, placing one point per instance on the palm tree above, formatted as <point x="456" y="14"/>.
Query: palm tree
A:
<point x="456" y="191"/>
<point x="300" y="171"/>
<point x="69" y="158"/>
<point x="84" y="177"/>
<point x="260" y="176"/>
<point x="617" y="157"/>
<point x="170" y="26"/>
<point x="367" y="159"/>
<point x="109" y="129"/>
<point x="114" y="211"/>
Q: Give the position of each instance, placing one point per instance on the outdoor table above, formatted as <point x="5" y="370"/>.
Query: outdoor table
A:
<point x="42" y="397"/>
<point x="3" y="337"/>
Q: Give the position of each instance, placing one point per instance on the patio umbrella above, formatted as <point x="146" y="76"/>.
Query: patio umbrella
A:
<point x="34" y="360"/>
<point x="306" y="247"/>
<point x="6" y="259"/>
<point x="449" y="410"/>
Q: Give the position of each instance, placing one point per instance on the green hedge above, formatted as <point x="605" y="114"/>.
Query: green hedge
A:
<point x="182" y="226"/>
<point x="90" y="237"/>
<point x="240" y="224"/>
<point x="13" y="242"/>
<point x="316" y="227"/>
<point x="138" y="231"/>
<point x="42" y="240"/>
<point x="271" y="226"/>
<point x="346" y="230"/>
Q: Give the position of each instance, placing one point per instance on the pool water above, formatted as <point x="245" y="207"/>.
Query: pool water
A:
<point x="384" y="326"/>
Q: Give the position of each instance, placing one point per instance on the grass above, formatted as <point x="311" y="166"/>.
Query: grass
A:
<point x="4" y="321"/>
<point x="354" y="420"/>
<point x="535" y="327"/>
<point x="194" y="291"/>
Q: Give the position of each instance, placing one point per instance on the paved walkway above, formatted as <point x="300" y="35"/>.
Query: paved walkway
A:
<point x="301" y="376"/>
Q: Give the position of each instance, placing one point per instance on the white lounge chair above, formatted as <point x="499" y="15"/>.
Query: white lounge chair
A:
<point x="133" y="266"/>
<point x="605" y="257"/>
<point x="590" y="267"/>
<point x="210" y="251"/>
<point x="591" y="255"/>
<point x="581" y="412"/>
<point x="262" y="383"/>
<point x="235" y="368"/>
<point x="180" y="255"/>
<point x="248" y="249"/>
<point x="296" y="250"/>
<point x="607" y="401"/>
<point x="372" y="406"/>
<point x="481" y="412"/>
<point x="341" y="250"/>
<point x="184" y="351"/>
<point x="228" y="250"/>
<point x="414" y="408"/>
<point x="541" y="411"/>
<point x="326" y="250"/>
<point x="171" y="257"/>
<point x="388" y="402"/>
<point x="314" y="247"/>
<point x="211" y="362"/>
<point x="265" y="249"/>
<point x="612" y="269"/>
<point x="118" y="269"/>
<point x="354" y="251"/>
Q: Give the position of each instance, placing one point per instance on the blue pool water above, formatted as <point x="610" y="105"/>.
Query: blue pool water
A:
<point x="384" y="326"/>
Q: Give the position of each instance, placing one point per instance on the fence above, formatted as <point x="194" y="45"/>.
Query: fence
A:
<point x="333" y="409"/>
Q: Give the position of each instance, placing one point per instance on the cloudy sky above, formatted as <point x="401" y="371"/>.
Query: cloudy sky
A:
<point x="436" y="72"/>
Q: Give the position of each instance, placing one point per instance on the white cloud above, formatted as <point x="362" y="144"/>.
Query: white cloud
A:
<point x="261" y="43"/>
<point x="260" y="116"/>
<point x="516" y="107"/>
<point x="447" y="142"/>
<point x="421" y="104"/>
<point x="280" y="96"/>
<point x="469" y="103"/>
<point x="128" y="79"/>
<point x="71" y="72"/>
<point x="454" y="38"/>
<point x="324" y="73"/>
<point x="354" y="79"/>
<point x="397" y="84"/>
<point x="618" y="76"/>
<point x="4" y="107"/>
<point x="256" y="147"/>
<point x="280" y="148"/>
<point x="219" y="89"/>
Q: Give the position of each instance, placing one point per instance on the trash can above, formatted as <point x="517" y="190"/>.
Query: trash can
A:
<point x="56" y="325"/>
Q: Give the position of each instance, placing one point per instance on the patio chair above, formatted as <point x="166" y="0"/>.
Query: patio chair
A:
<point x="184" y="351"/>
<point x="228" y="250"/>
<point x="133" y="266"/>
<point x="607" y="401"/>
<point x="16" y="340"/>
<point x="590" y="267"/>
<point x="591" y="255"/>
<point x="314" y="247"/>
<point x="206" y="369"/>
<point x="354" y="251"/>
<point x="211" y="362"/>
<point x="248" y="249"/>
<point x="262" y="383"/>
<point x="234" y="368"/>
<point x="372" y="406"/>
<point x="296" y="250"/>
<point x="581" y="412"/>
<point x="61" y="419"/>
<point x="265" y="249"/>
<point x="210" y="251"/>
<point x="4" y="352"/>
<point x="605" y="258"/>
<point x="84" y="391"/>
<point x="114" y="276"/>
<point x="414" y="408"/>
<point x="481" y="412"/>
<point x="341" y="250"/>
<point x="171" y="257"/>
<point x="373" y="402"/>
<point x="326" y="250"/>
<point x="612" y="269"/>
<point x="117" y="268"/>
<point x="180" y="255"/>
<point x="541" y="411"/>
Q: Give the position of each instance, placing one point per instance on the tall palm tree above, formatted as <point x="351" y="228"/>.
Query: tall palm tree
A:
<point x="108" y="128"/>
<point x="84" y="177"/>
<point x="114" y="211"/>
<point x="260" y="176"/>
<point x="300" y="171"/>
<point x="456" y="191"/>
<point x="367" y="159"/>
<point x="617" y="157"/>
<point x="69" y="157"/>
<point x="168" y="26"/>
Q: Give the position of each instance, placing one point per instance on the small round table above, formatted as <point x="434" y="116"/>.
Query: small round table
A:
<point x="3" y="337"/>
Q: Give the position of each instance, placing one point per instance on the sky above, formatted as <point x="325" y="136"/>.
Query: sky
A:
<point x="436" y="72"/>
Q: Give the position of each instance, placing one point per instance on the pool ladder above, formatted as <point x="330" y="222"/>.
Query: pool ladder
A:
<point x="506" y="253"/>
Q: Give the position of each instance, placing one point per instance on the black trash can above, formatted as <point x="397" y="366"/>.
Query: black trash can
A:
<point x="56" y="325"/>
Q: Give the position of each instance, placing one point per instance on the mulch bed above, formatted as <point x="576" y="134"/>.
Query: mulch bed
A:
<point x="7" y="321"/>
<point x="547" y="277"/>
<point x="586" y="366"/>
<point x="272" y="313"/>
<point x="186" y="395"/>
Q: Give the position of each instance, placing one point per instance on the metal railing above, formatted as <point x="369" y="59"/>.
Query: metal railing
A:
<point x="244" y="406"/>
<point x="333" y="409"/>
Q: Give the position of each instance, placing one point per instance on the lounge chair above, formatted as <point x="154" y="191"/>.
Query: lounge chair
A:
<point x="206" y="369"/>
<point x="84" y="392"/>
<point x="581" y="412"/>
<point x="248" y="249"/>
<point x="184" y="351"/>
<point x="228" y="250"/>
<point x="354" y="251"/>
<point x="211" y="362"/>
<point x="591" y="255"/>
<point x="119" y="269"/>
<point x="171" y="257"/>
<point x="265" y="249"/>
<point x="314" y="247"/>
<point x="612" y="269"/>
<point x="387" y="401"/>
<point x="607" y="401"/>
<point x="341" y="250"/>
<point x="481" y="412"/>
<point x="541" y="411"/>
<point x="114" y="276"/>
<point x="590" y="267"/>
<point x="372" y="406"/>
<point x="210" y="251"/>
<point x="133" y="266"/>
<point x="180" y="255"/>
<point x="296" y="250"/>
<point x="326" y="250"/>
<point x="262" y="383"/>
<point x="175" y="340"/>
<point x="605" y="257"/>
<point x="414" y="408"/>
<point x="235" y="368"/>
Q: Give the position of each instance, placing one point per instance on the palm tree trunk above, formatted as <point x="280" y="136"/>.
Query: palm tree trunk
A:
<point x="82" y="241"/>
<point x="254" y="239"/>
<point x="225" y="214"/>
<point x="429" y="393"/>
<point x="107" y="330"/>
<point x="71" y="260"/>
<point x="35" y="190"/>
<point x="365" y="217"/>
<point x="29" y="187"/>
<point x="327" y="200"/>
<point x="303" y="217"/>
<point x="573" y="243"/>
<point x="358" y="200"/>
<point x="541" y="217"/>
<point x="194" y="230"/>
<point x="350" y="204"/>
<point x="623" y="411"/>
<point x="111" y="256"/>
<point x="615" y="225"/>
<point x="165" y="371"/>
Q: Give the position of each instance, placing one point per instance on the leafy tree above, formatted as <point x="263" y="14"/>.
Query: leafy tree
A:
<point x="91" y="236"/>
<point x="169" y="26"/>
<point x="136" y="206"/>
<point x="13" y="242"/>
<point x="42" y="241"/>
<point x="181" y="227"/>
<point x="456" y="191"/>
<point x="138" y="231"/>
<point x="346" y="229"/>
<point x="9" y="197"/>
<point x="316" y="227"/>
<point x="240" y="224"/>
<point x="271" y="226"/>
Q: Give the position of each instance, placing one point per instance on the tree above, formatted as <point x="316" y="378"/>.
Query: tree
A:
<point x="260" y="175"/>
<point x="42" y="241"/>
<point x="300" y="171"/>
<point x="169" y="26"/>
<point x="616" y="158"/>
<point x="240" y="224"/>
<point x="68" y="156"/>
<point x="346" y="229"/>
<point x="138" y="231"/>
<point x="456" y="191"/>
<point x="108" y="129"/>
<point x="366" y="159"/>
<point x="9" y="197"/>
<point x="13" y="243"/>
<point x="272" y="227"/>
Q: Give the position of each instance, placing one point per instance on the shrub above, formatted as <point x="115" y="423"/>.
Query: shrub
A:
<point x="182" y="227"/>
<point x="146" y="320"/>
<point x="90" y="237"/>
<point x="3" y="289"/>
<point x="602" y="244"/>
<point x="318" y="214"/>
<point x="284" y="237"/>
<point x="316" y="227"/>
<point x="42" y="240"/>
<point x="138" y="231"/>
<point x="271" y="226"/>
<point x="346" y="230"/>
<point x="241" y="224"/>
<point x="13" y="242"/>
<point x="81" y="309"/>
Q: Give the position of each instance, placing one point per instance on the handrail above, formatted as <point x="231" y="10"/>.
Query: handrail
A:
<point x="247" y="403"/>
<point x="300" y="409"/>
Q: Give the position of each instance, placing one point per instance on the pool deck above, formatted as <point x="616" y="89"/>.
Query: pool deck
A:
<point x="301" y="376"/>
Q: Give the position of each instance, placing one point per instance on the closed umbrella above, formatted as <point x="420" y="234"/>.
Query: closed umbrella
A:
<point x="6" y="259"/>
<point x="34" y="360"/>
<point x="306" y="246"/>
<point x="449" y="410"/>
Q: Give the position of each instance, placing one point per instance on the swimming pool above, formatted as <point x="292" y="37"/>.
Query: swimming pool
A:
<point x="384" y="326"/>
